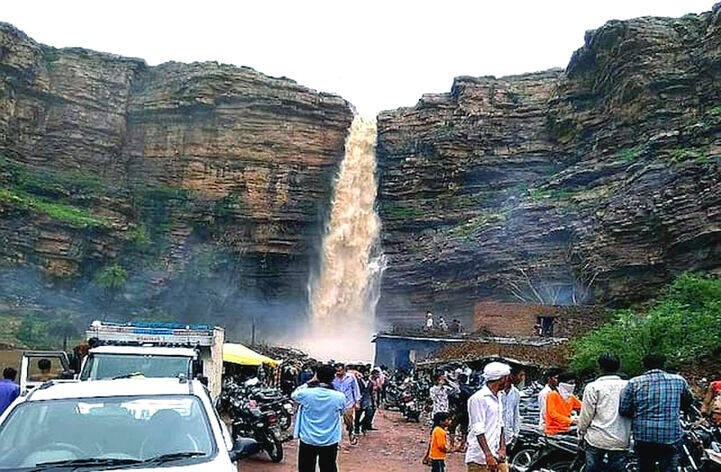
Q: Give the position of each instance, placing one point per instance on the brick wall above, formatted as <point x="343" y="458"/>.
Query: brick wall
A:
<point x="519" y="319"/>
<point x="509" y="319"/>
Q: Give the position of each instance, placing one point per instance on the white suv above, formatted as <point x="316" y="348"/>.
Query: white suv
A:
<point x="129" y="424"/>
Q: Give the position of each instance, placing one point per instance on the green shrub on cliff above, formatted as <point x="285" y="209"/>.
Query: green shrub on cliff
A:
<point x="139" y="235"/>
<point x="699" y="154"/>
<point x="684" y="325"/>
<point x="473" y="226"/>
<point x="50" y="182"/>
<point x="715" y="111"/>
<point x="69" y="214"/>
<point x="112" y="277"/>
<point x="630" y="154"/>
<point x="403" y="212"/>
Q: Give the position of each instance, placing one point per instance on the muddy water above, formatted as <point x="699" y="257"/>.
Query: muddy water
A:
<point x="344" y="294"/>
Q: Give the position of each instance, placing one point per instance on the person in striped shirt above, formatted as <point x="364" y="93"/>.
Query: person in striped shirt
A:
<point x="654" y="401"/>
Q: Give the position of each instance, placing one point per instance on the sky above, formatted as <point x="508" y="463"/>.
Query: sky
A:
<point x="377" y="54"/>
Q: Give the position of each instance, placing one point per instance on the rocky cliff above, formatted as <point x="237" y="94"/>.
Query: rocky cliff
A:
<point x="191" y="188"/>
<point x="596" y="183"/>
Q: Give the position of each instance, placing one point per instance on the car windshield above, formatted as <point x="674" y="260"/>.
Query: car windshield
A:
<point x="115" y="428"/>
<point x="111" y="366"/>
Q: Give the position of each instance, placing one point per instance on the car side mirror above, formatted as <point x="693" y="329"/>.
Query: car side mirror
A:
<point x="244" y="447"/>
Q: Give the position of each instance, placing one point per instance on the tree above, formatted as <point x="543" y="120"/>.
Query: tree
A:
<point x="111" y="278"/>
<point x="64" y="328"/>
<point x="26" y="331"/>
<point x="684" y="325"/>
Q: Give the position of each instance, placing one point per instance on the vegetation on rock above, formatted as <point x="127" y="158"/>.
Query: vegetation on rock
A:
<point x="112" y="277"/>
<point x="69" y="214"/>
<point x="685" y="325"/>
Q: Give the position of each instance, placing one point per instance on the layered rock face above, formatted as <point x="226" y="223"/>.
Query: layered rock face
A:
<point x="594" y="184"/>
<point x="204" y="167"/>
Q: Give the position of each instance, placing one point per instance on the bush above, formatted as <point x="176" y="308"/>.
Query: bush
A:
<point x="684" y="325"/>
<point x="111" y="277"/>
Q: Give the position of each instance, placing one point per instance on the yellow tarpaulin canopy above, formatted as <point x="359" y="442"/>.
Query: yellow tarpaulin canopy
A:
<point x="239" y="354"/>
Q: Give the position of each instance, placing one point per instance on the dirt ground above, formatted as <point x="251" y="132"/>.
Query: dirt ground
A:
<point x="397" y="446"/>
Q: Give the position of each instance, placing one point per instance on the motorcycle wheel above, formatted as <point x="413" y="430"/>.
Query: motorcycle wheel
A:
<point x="522" y="459"/>
<point x="273" y="447"/>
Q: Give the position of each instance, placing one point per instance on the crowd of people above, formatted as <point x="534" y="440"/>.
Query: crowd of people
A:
<point x="610" y="412"/>
<point x="479" y="413"/>
<point x="332" y="398"/>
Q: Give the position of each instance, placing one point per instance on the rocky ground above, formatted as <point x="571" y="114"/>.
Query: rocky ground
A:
<point x="397" y="446"/>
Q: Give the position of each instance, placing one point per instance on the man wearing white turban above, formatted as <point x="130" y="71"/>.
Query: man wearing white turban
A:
<point x="486" y="444"/>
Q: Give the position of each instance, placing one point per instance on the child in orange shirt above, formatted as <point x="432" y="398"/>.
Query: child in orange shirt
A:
<point x="560" y="403"/>
<point x="439" y="445"/>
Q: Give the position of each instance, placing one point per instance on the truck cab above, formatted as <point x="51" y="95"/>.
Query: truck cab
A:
<point x="116" y="362"/>
<point x="154" y="350"/>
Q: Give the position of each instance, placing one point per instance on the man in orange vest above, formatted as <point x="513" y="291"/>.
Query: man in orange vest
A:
<point x="560" y="403"/>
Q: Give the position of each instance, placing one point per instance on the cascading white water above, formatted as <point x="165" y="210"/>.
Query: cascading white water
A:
<point x="344" y="294"/>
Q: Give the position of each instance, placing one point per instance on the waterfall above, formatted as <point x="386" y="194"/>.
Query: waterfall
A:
<point x="344" y="293"/>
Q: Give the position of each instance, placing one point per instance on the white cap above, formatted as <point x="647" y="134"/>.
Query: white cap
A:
<point x="495" y="371"/>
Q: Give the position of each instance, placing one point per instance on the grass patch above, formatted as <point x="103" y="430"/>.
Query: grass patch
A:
<point x="715" y="111"/>
<point x="68" y="214"/>
<point x="473" y="226"/>
<point x="630" y="154"/>
<point x="699" y="154"/>
<point x="140" y="236"/>
<point x="51" y="182"/>
<point x="404" y="212"/>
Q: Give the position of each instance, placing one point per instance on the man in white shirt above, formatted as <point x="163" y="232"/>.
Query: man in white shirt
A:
<point x="429" y="321"/>
<point x="486" y="444"/>
<point x="551" y="384"/>
<point x="605" y="432"/>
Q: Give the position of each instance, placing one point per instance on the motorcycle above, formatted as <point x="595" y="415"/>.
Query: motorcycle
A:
<point x="410" y="409"/>
<point x="558" y="453"/>
<point x="251" y="422"/>
<point x="266" y="399"/>
<point x="712" y="458"/>
<point x="526" y="448"/>
<point x="393" y="397"/>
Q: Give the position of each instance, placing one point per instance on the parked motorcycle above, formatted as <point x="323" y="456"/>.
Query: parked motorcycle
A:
<point x="251" y="422"/>
<point x="410" y="409"/>
<point x="712" y="458"/>
<point x="263" y="398"/>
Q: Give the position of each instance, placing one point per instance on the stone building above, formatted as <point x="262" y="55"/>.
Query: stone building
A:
<point x="536" y="320"/>
<point x="526" y="334"/>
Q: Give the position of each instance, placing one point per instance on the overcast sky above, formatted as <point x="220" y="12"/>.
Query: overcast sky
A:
<point x="378" y="54"/>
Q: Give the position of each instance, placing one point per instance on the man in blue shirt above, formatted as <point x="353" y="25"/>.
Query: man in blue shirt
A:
<point x="512" y="406"/>
<point x="654" y="402"/>
<point x="347" y="384"/>
<point x="9" y="390"/>
<point x="317" y="424"/>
